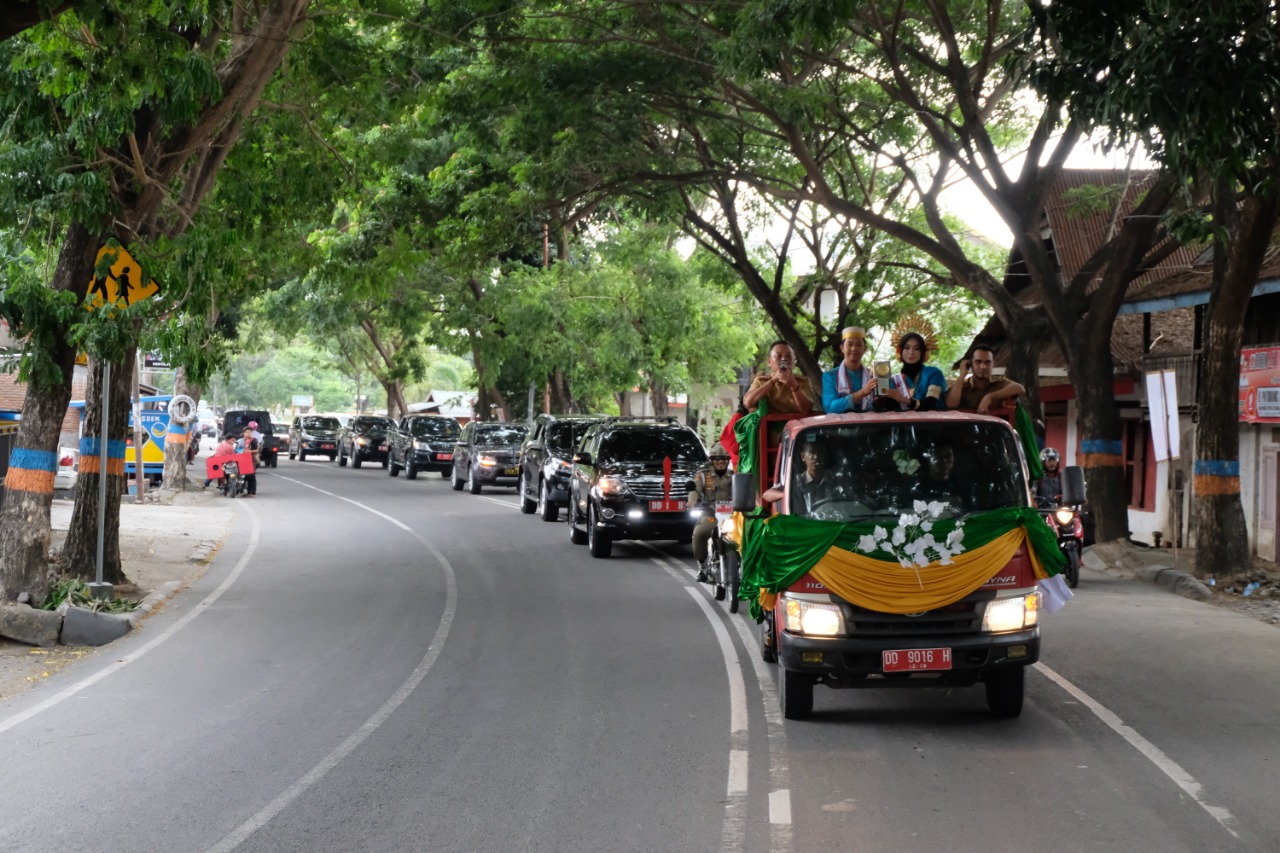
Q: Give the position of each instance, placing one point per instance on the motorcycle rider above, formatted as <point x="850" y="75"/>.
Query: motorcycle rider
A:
<point x="1049" y="487"/>
<point x="709" y="487"/>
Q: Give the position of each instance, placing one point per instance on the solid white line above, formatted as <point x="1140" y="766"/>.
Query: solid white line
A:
<point x="737" y="686"/>
<point x="262" y="818"/>
<point x="121" y="663"/>
<point x="780" y="808"/>
<point x="737" y="772"/>
<point x="1167" y="765"/>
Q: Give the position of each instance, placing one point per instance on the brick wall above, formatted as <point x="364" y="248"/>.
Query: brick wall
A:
<point x="13" y="393"/>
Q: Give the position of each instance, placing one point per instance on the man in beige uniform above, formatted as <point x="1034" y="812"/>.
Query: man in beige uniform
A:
<point x="785" y="390"/>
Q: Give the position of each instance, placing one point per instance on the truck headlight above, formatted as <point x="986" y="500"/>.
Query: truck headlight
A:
<point x="1012" y="614"/>
<point x="814" y="619"/>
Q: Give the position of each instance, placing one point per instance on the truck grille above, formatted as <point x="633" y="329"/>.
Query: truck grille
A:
<point x="963" y="617"/>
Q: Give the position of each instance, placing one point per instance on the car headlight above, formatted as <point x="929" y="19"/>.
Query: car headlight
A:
<point x="813" y="619"/>
<point x="422" y="445"/>
<point x="1012" y="614"/>
<point x="610" y="487"/>
<point x="1064" y="515"/>
<point x="562" y="466"/>
<point x="486" y="461"/>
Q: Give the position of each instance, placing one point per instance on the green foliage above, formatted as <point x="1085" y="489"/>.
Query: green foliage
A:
<point x="76" y="592"/>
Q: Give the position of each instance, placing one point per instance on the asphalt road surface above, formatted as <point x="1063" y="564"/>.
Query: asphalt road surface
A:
<point x="374" y="664"/>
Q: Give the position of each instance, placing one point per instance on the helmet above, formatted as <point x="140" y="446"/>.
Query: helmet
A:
<point x="718" y="452"/>
<point x="1047" y="454"/>
<point x="253" y="424"/>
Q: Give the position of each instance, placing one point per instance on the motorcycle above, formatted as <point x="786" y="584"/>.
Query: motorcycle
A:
<point x="722" y="556"/>
<point x="1065" y="522"/>
<point x="232" y="483"/>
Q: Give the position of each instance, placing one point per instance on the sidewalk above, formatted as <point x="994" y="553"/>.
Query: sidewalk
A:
<point x="163" y="548"/>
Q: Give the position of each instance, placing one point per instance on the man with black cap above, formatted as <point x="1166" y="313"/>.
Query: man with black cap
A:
<point x="849" y="387"/>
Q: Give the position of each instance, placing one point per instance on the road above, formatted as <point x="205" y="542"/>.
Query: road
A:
<point x="375" y="664"/>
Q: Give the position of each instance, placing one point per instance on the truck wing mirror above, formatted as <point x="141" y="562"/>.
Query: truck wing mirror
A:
<point x="744" y="492"/>
<point x="1073" y="490"/>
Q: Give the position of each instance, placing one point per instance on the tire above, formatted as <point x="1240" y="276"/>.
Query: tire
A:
<point x="393" y="469"/>
<point x="598" y="543"/>
<point x="795" y="694"/>
<point x="473" y="482"/>
<point x="356" y="461"/>
<point x="411" y="470"/>
<point x="332" y="456"/>
<point x="342" y="460"/>
<point x="457" y="481"/>
<point x="768" y="652"/>
<point x="528" y="507"/>
<point x="547" y="511"/>
<point x="275" y="461"/>
<point x="444" y="475"/>
<point x="733" y="578"/>
<point x="1005" y="688"/>
<point x="292" y="454"/>
<point x="302" y="455"/>
<point x="1073" y="567"/>
<point x="576" y="536"/>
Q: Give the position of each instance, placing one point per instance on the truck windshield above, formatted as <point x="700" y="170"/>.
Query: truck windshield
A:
<point x="856" y="472"/>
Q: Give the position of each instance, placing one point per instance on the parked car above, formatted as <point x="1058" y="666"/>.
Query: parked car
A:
<point x="314" y="434"/>
<point x="546" y="458"/>
<point x="67" y="472"/>
<point x="630" y="480"/>
<point x="487" y="454"/>
<point x="422" y="443"/>
<point x="235" y="420"/>
<point x="365" y="439"/>
<point x="208" y="423"/>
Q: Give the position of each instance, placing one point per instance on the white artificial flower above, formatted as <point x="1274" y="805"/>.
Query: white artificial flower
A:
<point x="955" y="537"/>
<point x="867" y="544"/>
<point x="945" y="559"/>
<point x="920" y="507"/>
<point x="880" y="534"/>
<point x="936" y="508"/>
<point x="899" y="536"/>
<point x="909" y="520"/>
<point x="906" y="564"/>
<point x="926" y="526"/>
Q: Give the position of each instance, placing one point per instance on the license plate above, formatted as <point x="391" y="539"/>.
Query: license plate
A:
<point x="511" y="472"/>
<point x="916" y="660"/>
<point x="445" y="457"/>
<point x="666" y="506"/>
<point x="326" y="447"/>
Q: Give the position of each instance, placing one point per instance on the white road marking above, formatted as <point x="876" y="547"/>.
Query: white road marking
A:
<point x="733" y="835"/>
<point x="120" y="664"/>
<point x="1166" y="765"/>
<point x="498" y="501"/>
<point x="238" y="836"/>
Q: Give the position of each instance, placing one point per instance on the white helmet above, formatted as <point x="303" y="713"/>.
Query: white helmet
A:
<point x="1049" y="453"/>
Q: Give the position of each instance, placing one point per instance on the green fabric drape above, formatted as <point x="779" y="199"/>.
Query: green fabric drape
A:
<point x="1027" y="432"/>
<point x="747" y="431"/>
<point x="778" y="550"/>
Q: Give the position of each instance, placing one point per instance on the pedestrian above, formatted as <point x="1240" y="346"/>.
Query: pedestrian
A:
<point x="253" y="447"/>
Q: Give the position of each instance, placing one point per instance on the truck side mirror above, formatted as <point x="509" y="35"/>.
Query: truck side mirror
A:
<point x="744" y="492"/>
<point x="1073" y="490"/>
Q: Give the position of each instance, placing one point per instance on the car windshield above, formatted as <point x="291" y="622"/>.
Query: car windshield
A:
<point x="651" y="445"/>
<point x="434" y="427"/>
<point x="564" y="435"/>
<point x="500" y="434"/>
<point x="320" y="423"/>
<point x="373" y="423"/>
<point x="878" y="470"/>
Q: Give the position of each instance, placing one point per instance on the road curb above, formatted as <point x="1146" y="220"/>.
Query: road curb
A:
<point x="1177" y="580"/>
<point x="202" y="553"/>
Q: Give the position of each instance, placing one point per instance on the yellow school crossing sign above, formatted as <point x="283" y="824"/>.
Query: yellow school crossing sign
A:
<point x="123" y="284"/>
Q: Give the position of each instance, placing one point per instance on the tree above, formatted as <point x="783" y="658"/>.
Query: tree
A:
<point x="109" y="151"/>
<point x="1197" y="83"/>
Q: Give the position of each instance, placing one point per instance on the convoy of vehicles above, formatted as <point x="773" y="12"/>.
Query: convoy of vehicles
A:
<point x="487" y="454"/>
<point x="545" y="460"/>
<point x="422" y="443"/>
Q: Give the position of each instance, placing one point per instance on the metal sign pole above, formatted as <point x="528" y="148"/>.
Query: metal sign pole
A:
<point x="101" y="590"/>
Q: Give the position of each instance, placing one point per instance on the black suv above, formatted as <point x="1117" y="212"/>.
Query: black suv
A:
<point x="546" y="458"/>
<point x="315" y="434"/>
<point x="487" y="454"/>
<point x="235" y="420"/>
<point x="422" y="443"/>
<point x="631" y="480"/>
<point x="365" y="439"/>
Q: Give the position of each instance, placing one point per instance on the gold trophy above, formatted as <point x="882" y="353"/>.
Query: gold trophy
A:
<point x="883" y="372"/>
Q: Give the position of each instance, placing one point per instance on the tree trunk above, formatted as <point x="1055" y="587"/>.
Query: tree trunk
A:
<point x="1222" y="536"/>
<point x="28" y="493"/>
<point x="1093" y="375"/>
<point x="658" y="396"/>
<point x="561" y="399"/>
<point x="177" y="442"/>
<point x="1025" y="342"/>
<point x="80" y="553"/>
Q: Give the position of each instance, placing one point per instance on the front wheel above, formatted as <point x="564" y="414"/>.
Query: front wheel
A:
<point x="356" y="460"/>
<point x="795" y="694"/>
<point x="393" y="469"/>
<point x="1073" y="566"/>
<point x="732" y="568"/>
<point x="527" y="505"/>
<point x="598" y="542"/>
<point x="342" y="460"/>
<point x="457" y="481"/>
<point x="302" y="455"/>
<point x="1005" y="688"/>
<point x="576" y="536"/>
<point x="473" y="482"/>
<point x="411" y="472"/>
<point x="546" y="509"/>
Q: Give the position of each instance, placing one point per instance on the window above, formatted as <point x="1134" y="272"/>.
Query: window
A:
<point x="433" y="427"/>
<point x="651" y="445"/>
<point x="1139" y="478"/>
<point x="499" y="434"/>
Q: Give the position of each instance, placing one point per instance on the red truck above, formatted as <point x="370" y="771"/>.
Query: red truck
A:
<point x="895" y="550"/>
